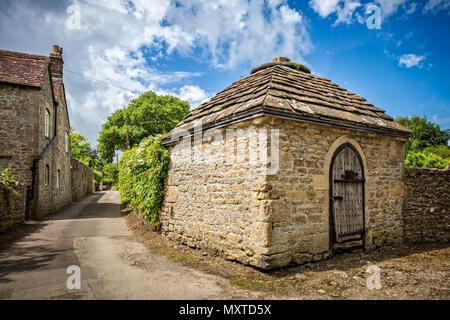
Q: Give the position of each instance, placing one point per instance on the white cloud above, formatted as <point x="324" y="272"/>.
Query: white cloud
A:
<point x="434" y="6"/>
<point x="412" y="8"/>
<point x="440" y="121"/>
<point x="343" y="12"/>
<point x="324" y="7"/>
<point x="121" y="43"/>
<point x="411" y="60"/>
<point x="389" y="7"/>
<point x="193" y="94"/>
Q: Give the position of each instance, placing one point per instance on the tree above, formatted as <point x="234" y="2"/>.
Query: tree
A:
<point x="427" y="147"/>
<point x="442" y="151"/>
<point x="424" y="133"/>
<point x="147" y="115"/>
<point x="80" y="149"/>
<point x="110" y="173"/>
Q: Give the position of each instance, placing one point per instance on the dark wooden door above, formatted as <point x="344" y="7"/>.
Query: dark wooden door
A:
<point x="347" y="195"/>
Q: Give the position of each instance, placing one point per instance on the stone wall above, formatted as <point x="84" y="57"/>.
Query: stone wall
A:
<point x="51" y="197"/>
<point x="12" y="207"/>
<point x="22" y="139"/>
<point x="426" y="211"/>
<point x="82" y="178"/>
<point x="19" y="129"/>
<point x="246" y="211"/>
<point x="299" y="214"/>
<point x="210" y="202"/>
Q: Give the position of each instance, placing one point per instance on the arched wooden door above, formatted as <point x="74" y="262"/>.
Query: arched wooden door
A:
<point x="347" y="195"/>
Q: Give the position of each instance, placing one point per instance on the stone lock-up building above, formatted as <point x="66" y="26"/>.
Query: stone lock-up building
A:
<point x="284" y="167"/>
<point x="34" y="128"/>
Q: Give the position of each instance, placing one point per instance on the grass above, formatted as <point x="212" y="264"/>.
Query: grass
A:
<point x="275" y="287"/>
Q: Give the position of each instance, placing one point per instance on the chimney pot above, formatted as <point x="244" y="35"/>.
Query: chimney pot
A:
<point x="57" y="49"/>
<point x="281" y="59"/>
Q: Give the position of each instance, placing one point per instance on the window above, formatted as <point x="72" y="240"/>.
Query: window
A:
<point x="58" y="178"/>
<point x="47" y="123"/>
<point x="46" y="175"/>
<point x="66" y="137"/>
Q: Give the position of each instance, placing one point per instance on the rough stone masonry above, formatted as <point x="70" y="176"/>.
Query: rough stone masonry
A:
<point x="249" y="177"/>
<point x="426" y="211"/>
<point x="34" y="129"/>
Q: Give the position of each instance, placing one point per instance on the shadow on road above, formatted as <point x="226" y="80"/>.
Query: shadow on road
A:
<point x="19" y="253"/>
<point x="25" y="259"/>
<point x="94" y="209"/>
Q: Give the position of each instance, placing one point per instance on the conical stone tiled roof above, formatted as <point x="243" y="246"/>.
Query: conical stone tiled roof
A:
<point x="287" y="89"/>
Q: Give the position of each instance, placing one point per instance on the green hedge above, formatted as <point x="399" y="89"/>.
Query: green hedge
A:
<point x="143" y="173"/>
<point x="425" y="160"/>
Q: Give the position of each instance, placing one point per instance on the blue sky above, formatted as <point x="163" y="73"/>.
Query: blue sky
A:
<point x="114" y="50"/>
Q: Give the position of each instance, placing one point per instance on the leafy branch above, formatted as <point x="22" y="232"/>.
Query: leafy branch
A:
<point x="7" y="179"/>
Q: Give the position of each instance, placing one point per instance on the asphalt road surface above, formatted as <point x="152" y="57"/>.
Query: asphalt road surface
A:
<point x="113" y="264"/>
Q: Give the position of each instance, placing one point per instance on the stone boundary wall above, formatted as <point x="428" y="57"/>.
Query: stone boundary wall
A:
<point x="12" y="207"/>
<point x="82" y="178"/>
<point x="426" y="210"/>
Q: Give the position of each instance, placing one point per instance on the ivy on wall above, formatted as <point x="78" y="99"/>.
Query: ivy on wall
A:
<point x="143" y="173"/>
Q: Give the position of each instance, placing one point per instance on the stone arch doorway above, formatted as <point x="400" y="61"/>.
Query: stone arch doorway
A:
<point x="347" y="181"/>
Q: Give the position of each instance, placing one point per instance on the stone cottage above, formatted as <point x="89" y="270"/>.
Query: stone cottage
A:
<point x="284" y="167"/>
<point x="34" y="129"/>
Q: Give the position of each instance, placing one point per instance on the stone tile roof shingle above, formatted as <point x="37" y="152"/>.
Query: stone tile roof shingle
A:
<point x="290" y="89"/>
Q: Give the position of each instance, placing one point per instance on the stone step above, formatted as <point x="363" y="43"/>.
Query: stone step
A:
<point x="347" y="245"/>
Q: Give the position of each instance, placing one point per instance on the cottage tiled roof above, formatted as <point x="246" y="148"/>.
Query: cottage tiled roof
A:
<point x="23" y="68"/>
<point x="290" y="89"/>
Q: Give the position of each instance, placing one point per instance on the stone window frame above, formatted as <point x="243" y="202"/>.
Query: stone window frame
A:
<point x="58" y="178"/>
<point x="67" y="141"/>
<point x="46" y="175"/>
<point x="47" y="123"/>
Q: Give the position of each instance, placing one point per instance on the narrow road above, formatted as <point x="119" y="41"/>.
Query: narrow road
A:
<point x="113" y="265"/>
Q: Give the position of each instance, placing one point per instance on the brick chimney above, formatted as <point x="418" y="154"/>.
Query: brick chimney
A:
<point x="56" y="62"/>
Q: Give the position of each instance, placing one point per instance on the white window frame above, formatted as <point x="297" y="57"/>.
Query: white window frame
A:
<point x="47" y="123"/>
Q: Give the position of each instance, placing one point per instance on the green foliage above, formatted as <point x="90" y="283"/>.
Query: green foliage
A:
<point x="110" y="173"/>
<point x="442" y="151"/>
<point x="98" y="175"/>
<point x="7" y="179"/>
<point x="427" y="147"/>
<point x="425" y="160"/>
<point x="424" y="133"/>
<point x="80" y="149"/>
<point x="142" y="176"/>
<point x="147" y="115"/>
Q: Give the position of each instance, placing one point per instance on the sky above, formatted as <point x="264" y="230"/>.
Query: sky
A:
<point x="394" y="53"/>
